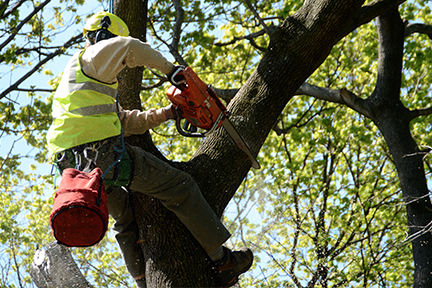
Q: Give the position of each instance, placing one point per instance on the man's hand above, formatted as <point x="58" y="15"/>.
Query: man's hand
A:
<point x="175" y="76"/>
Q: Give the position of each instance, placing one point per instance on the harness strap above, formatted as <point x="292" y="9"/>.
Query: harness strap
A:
<point x="123" y="164"/>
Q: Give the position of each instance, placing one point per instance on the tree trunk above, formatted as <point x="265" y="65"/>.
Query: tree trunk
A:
<point x="173" y="257"/>
<point x="392" y="118"/>
<point x="54" y="267"/>
<point x="297" y="48"/>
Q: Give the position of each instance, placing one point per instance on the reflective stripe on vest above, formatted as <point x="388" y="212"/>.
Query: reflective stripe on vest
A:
<point x="75" y="83"/>
<point x="83" y="110"/>
<point x="93" y="86"/>
<point x="93" y="110"/>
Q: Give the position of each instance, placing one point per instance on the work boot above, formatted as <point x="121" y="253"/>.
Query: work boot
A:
<point x="228" y="269"/>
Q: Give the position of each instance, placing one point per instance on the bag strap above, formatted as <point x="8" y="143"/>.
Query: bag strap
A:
<point x="99" y="199"/>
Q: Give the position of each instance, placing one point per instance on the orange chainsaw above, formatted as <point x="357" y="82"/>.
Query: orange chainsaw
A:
<point x="199" y="105"/>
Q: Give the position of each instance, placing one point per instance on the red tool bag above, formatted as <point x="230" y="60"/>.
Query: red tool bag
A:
<point x="79" y="217"/>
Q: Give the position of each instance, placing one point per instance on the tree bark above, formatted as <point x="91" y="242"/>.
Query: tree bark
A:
<point x="173" y="257"/>
<point x="54" y="267"/>
<point x="393" y="120"/>
<point x="134" y="13"/>
<point x="296" y="49"/>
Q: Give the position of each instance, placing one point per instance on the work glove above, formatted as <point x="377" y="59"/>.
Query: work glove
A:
<point x="170" y="112"/>
<point x="175" y="77"/>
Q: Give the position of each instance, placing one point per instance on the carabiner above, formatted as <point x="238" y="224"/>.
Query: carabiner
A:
<point x="93" y="149"/>
<point x="77" y="160"/>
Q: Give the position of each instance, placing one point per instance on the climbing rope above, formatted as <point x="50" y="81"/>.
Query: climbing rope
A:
<point x="111" y="6"/>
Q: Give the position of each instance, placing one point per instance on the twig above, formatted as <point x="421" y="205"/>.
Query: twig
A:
<point x="17" y="266"/>
<point x="426" y="229"/>
<point x="249" y="37"/>
<point x="34" y="90"/>
<point x="59" y="51"/>
<point x="261" y="21"/>
<point x="6" y="3"/>
<point x="23" y="22"/>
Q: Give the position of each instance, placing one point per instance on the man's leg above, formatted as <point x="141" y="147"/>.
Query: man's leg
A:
<point x="127" y="234"/>
<point x="179" y="193"/>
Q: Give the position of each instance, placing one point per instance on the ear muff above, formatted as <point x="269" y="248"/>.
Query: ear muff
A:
<point x="115" y="24"/>
<point x="103" y="33"/>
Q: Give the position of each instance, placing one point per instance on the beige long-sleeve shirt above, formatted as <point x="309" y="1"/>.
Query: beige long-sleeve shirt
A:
<point x="104" y="60"/>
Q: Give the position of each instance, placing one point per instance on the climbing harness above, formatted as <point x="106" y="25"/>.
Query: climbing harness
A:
<point x="88" y="154"/>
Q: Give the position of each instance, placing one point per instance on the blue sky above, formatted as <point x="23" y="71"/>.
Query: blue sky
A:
<point x="56" y="66"/>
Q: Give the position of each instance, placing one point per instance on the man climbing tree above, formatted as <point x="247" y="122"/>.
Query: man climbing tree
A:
<point x="86" y="117"/>
<point x="296" y="47"/>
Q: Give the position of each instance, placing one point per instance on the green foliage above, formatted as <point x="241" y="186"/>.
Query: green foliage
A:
<point x="326" y="202"/>
<point x="332" y="200"/>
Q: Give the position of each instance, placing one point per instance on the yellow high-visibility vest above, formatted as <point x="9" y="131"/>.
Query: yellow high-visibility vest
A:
<point x="83" y="110"/>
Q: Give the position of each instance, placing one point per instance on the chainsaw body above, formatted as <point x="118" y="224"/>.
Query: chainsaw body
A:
<point x="199" y="105"/>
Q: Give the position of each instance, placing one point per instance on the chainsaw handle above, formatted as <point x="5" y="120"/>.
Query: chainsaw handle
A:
<point x="183" y="131"/>
<point x="186" y="133"/>
<point x="178" y="84"/>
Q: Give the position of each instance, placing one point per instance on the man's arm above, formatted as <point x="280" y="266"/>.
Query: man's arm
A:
<point x="138" y="122"/>
<point x="105" y="59"/>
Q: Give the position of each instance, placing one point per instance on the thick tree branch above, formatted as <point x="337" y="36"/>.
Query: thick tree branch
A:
<point x="54" y="267"/>
<point x="419" y="112"/>
<point x="392" y="119"/>
<point x="372" y="10"/>
<point x="418" y="28"/>
<point x="342" y="96"/>
<point x="225" y="94"/>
